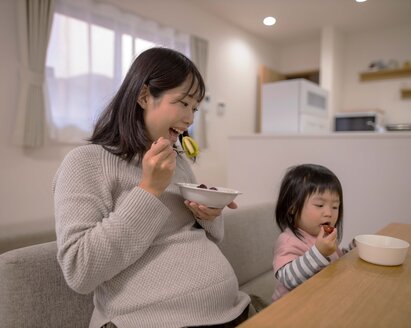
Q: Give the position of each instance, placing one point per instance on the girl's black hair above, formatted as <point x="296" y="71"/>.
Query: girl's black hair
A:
<point x="299" y="183"/>
<point x="121" y="129"/>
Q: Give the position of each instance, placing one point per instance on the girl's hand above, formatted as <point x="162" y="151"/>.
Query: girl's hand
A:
<point x="159" y="163"/>
<point x="206" y="213"/>
<point x="326" y="243"/>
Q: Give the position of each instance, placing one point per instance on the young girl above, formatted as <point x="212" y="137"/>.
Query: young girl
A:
<point x="123" y="230"/>
<point x="309" y="206"/>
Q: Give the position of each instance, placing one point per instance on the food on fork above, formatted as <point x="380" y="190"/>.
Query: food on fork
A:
<point x="190" y="147"/>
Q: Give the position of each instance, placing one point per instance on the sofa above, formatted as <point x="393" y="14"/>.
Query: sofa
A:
<point x="33" y="292"/>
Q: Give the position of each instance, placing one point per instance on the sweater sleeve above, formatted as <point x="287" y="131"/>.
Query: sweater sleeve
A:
<point x="95" y="242"/>
<point x="214" y="229"/>
<point x="303" y="267"/>
<point x="350" y="246"/>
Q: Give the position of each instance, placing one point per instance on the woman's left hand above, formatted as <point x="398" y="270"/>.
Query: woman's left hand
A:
<point x="206" y="213"/>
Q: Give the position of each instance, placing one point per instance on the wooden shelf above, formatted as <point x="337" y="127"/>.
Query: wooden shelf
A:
<point x="405" y="93"/>
<point x="385" y="74"/>
<point x="313" y="76"/>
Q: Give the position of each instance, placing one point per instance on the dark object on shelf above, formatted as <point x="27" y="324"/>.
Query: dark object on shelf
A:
<point x="398" y="127"/>
<point x="377" y="65"/>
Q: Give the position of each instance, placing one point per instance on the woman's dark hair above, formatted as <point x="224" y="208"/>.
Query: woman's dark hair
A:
<point x="299" y="183"/>
<point x="120" y="128"/>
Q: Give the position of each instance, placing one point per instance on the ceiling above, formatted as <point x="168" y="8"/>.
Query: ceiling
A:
<point x="302" y="19"/>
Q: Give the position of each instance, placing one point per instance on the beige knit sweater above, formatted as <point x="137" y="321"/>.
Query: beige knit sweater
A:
<point x="143" y="257"/>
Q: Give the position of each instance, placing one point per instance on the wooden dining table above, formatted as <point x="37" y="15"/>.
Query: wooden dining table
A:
<point x="349" y="292"/>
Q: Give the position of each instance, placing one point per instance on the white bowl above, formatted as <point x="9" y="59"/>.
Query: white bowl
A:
<point x="382" y="250"/>
<point x="211" y="198"/>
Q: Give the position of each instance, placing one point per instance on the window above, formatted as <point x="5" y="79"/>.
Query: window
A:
<point x="90" y="50"/>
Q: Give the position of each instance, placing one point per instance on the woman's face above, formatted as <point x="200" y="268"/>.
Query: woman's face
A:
<point x="170" y="114"/>
<point x="319" y="209"/>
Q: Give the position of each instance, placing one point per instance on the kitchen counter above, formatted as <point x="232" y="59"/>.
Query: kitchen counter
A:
<point x="337" y="135"/>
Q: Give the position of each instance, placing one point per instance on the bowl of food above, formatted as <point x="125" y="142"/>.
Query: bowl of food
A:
<point x="382" y="250"/>
<point x="216" y="197"/>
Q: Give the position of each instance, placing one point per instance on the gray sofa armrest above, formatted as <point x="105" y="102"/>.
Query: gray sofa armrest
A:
<point x="33" y="292"/>
<point x="249" y="237"/>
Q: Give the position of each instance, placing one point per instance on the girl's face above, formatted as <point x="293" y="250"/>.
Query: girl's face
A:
<point x="317" y="210"/>
<point x="169" y="115"/>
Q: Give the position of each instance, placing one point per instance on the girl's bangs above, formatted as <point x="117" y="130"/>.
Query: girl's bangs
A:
<point x="323" y="187"/>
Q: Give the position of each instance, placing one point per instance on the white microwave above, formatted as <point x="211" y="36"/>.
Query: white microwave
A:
<point x="358" y="121"/>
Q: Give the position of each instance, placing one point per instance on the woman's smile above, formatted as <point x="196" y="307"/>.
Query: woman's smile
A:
<point x="173" y="134"/>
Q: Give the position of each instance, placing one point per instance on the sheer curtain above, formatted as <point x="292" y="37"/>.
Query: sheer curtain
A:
<point x="34" y="21"/>
<point x="91" y="48"/>
<point x="199" y="55"/>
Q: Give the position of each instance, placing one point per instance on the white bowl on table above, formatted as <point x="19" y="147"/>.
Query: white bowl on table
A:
<point x="211" y="198"/>
<point x="382" y="250"/>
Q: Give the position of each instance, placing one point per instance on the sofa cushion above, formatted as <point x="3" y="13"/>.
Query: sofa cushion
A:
<point x="34" y="293"/>
<point x="249" y="236"/>
<point x="260" y="290"/>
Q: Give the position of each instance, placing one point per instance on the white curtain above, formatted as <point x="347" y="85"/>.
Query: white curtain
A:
<point x="199" y="55"/>
<point x="91" y="48"/>
<point x="34" y="21"/>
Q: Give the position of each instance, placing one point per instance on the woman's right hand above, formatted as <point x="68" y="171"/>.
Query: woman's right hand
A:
<point x="326" y="243"/>
<point x="158" y="166"/>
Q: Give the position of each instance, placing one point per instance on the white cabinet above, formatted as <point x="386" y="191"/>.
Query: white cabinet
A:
<point x="294" y="106"/>
<point x="312" y="124"/>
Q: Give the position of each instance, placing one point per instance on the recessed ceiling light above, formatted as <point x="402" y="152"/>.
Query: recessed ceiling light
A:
<point x="360" y="0"/>
<point x="269" y="21"/>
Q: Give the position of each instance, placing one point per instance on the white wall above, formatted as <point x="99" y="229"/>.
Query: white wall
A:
<point x="355" y="52"/>
<point x="302" y="56"/>
<point x="26" y="175"/>
<point x="361" y="49"/>
<point x="331" y="68"/>
<point x="374" y="170"/>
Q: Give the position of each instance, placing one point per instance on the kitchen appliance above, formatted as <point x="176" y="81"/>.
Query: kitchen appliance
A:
<point x="358" y="121"/>
<point x="398" y="127"/>
<point x="294" y="106"/>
